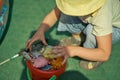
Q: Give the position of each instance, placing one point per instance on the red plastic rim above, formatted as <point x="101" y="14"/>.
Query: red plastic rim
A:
<point x="37" y="74"/>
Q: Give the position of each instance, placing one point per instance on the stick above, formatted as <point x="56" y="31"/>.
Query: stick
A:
<point x="7" y="60"/>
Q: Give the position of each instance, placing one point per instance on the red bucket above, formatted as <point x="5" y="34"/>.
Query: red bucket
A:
<point x="37" y="74"/>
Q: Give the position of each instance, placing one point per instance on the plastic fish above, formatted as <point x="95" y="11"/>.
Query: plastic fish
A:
<point x="47" y="67"/>
<point x="25" y="55"/>
<point x="40" y="62"/>
<point x="48" y="53"/>
<point x="35" y="54"/>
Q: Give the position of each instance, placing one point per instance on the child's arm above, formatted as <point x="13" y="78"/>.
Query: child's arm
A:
<point x="101" y="53"/>
<point x="47" y="23"/>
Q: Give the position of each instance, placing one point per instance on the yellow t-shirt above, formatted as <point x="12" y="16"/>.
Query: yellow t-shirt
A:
<point x="105" y="18"/>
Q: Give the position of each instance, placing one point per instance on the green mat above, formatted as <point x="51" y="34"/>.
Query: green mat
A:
<point x="26" y="16"/>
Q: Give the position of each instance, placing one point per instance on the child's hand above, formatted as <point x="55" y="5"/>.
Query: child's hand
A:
<point x="61" y="51"/>
<point x="38" y="36"/>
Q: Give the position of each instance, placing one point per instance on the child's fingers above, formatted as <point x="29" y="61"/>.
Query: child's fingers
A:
<point x="58" y="49"/>
<point x="65" y="59"/>
<point x="59" y="55"/>
<point x="44" y="42"/>
<point x="29" y="43"/>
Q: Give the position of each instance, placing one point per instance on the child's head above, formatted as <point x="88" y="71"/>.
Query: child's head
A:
<point x="79" y="7"/>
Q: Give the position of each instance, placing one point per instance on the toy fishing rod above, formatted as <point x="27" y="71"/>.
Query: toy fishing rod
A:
<point x="9" y="59"/>
<point x="23" y="53"/>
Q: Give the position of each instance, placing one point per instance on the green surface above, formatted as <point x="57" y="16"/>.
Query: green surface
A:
<point x="28" y="75"/>
<point x="25" y="19"/>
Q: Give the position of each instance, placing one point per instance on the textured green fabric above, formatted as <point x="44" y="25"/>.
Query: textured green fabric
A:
<point x="25" y="19"/>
